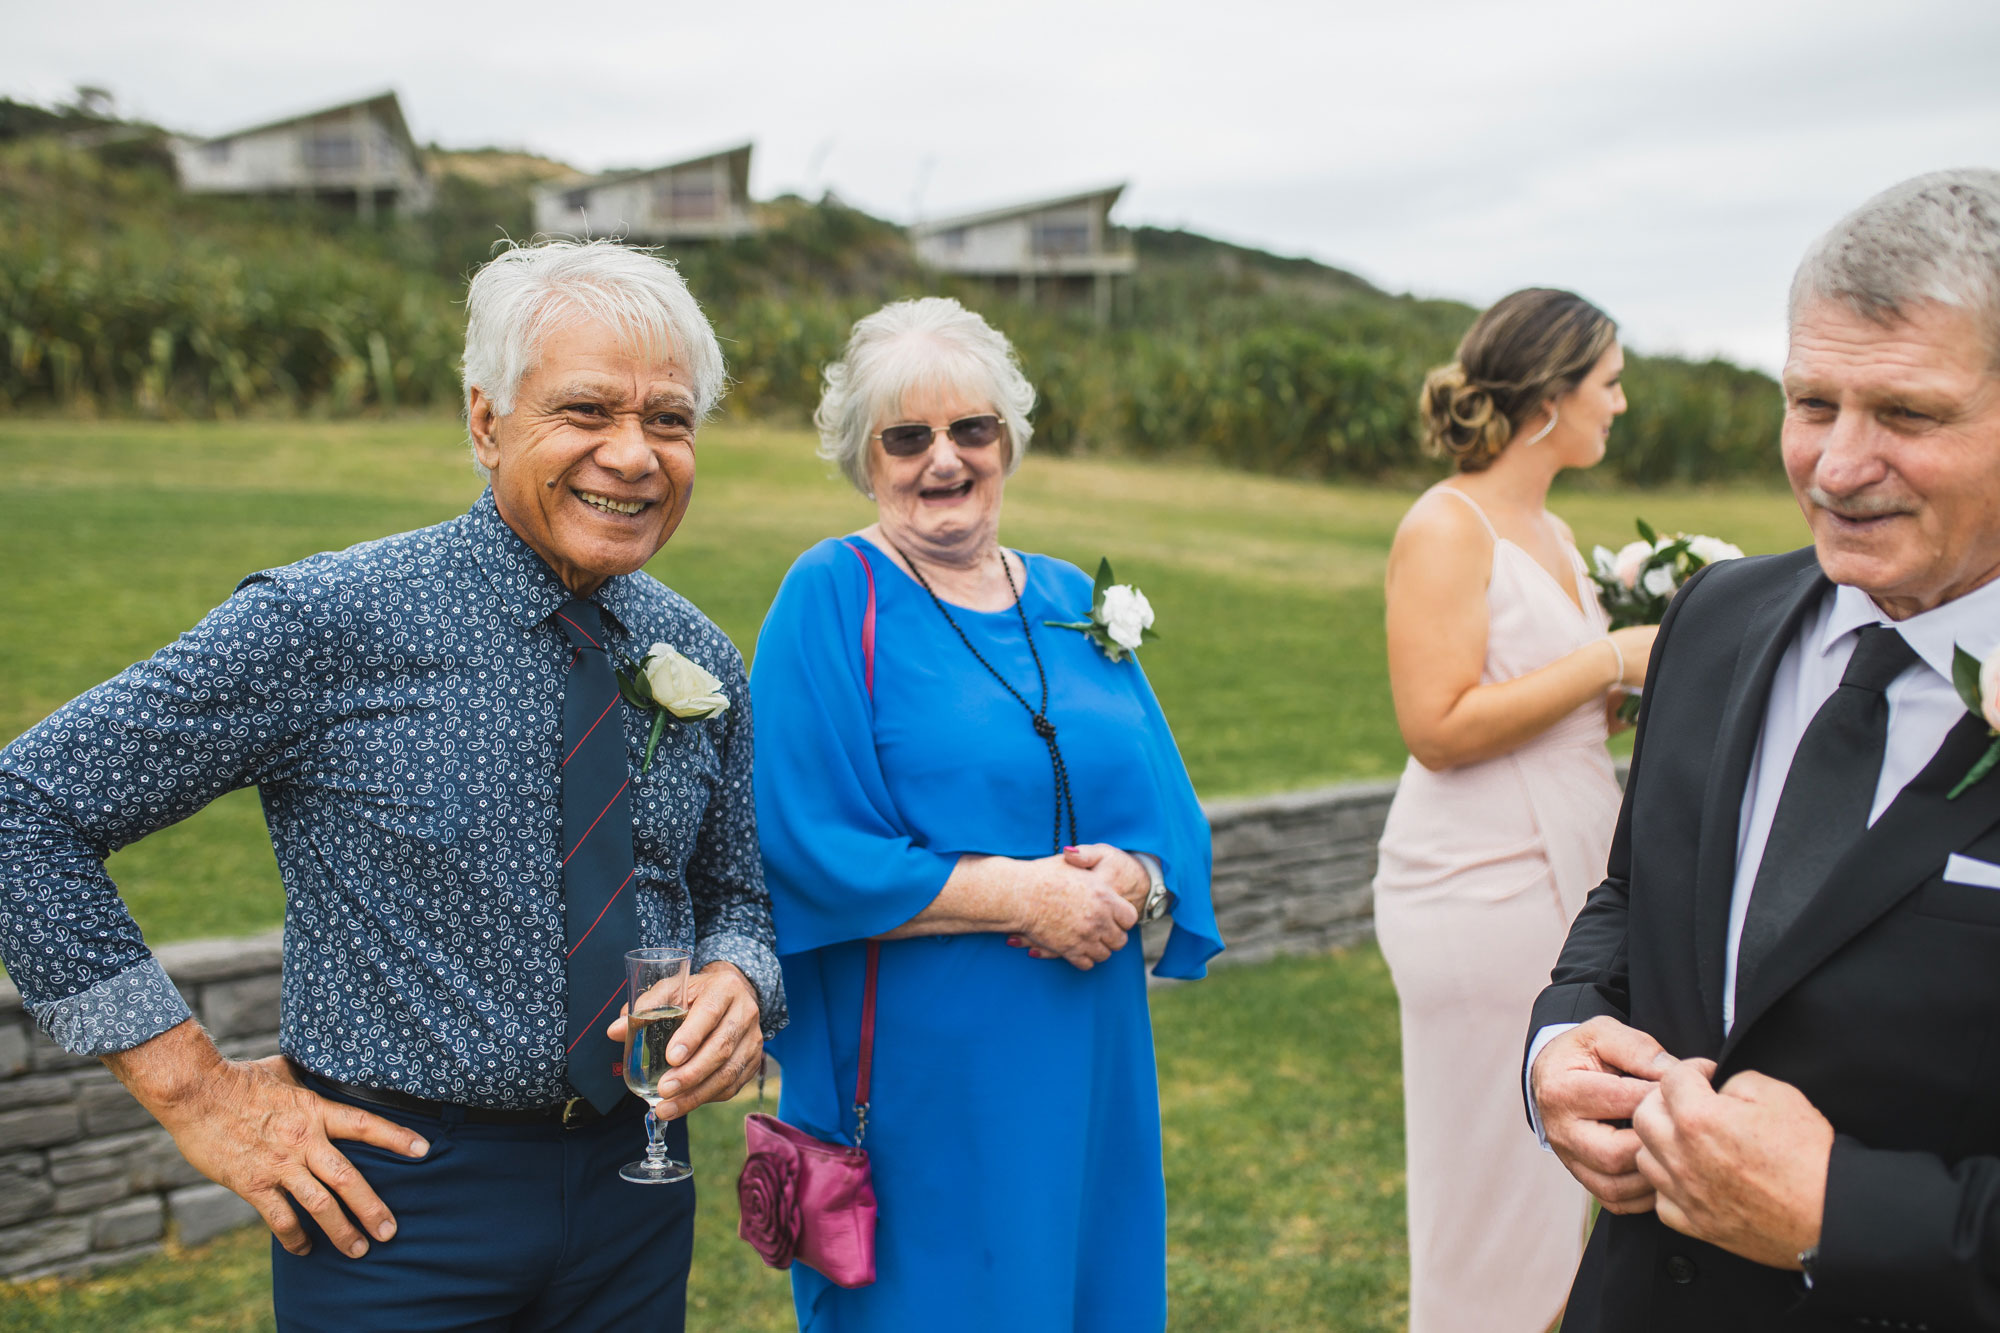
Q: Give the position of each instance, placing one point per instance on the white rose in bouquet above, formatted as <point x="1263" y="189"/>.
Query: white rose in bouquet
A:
<point x="1660" y="582"/>
<point x="1711" y="549"/>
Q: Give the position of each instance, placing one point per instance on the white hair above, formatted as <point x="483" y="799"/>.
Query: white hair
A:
<point x="908" y="347"/>
<point x="1934" y="237"/>
<point x="527" y="292"/>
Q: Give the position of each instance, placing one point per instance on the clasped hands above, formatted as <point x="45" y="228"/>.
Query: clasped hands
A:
<point x="1082" y="904"/>
<point x="1742" y="1166"/>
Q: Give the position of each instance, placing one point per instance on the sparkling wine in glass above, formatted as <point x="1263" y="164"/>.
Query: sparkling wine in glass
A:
<point x="656" y="982"/>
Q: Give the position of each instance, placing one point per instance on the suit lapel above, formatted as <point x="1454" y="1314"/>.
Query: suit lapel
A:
<point x="1903" y="848"/>
<point x="1771" y="630"/>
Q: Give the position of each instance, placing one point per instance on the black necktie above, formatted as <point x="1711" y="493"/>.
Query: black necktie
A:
<point x="599" y="918"/>
<point x="1828" y="793"/>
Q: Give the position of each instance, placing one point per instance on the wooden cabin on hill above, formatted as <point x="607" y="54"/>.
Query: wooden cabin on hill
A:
<point x="701" y="198"/>
<point x="358" y="155"/>
<point x="1061" y="251"/>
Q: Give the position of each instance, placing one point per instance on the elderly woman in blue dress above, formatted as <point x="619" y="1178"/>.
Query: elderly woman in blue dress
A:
<point x="1000" y="805"/>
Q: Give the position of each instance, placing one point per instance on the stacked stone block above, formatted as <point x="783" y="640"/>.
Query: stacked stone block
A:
<point x="87" y="1178"/>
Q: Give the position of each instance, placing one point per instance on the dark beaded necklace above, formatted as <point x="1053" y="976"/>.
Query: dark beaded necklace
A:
<point x="1038" y="715"/>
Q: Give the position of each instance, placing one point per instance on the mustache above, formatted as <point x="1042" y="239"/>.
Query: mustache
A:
<point x="1857" y="506"/>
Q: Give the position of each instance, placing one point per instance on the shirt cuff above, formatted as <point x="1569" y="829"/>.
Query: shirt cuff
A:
<point x="117" y="1013"/>
<point x="755" y="960"/>
<point x="1542" y="1038"/>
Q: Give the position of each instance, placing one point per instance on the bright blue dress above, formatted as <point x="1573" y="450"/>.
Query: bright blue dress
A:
<point x="1015" y="1127"/>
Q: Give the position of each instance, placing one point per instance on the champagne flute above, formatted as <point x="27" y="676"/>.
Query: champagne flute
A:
<point x="656" y="982"/>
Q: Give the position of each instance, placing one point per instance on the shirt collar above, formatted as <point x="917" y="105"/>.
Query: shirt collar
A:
<point x="1971" y="622"/>
<point x="527" y="588"/>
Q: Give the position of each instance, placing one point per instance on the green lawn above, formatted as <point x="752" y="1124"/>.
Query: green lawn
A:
<point x="116" y="536"/>
<point x="1281" y="1104"/>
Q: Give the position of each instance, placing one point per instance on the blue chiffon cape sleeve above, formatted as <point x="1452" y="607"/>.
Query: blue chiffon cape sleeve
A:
<point x="849" y="868"/>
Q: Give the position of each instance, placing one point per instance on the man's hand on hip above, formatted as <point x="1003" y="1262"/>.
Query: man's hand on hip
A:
<point x="1742" y="1166"/>
<point x="720" y="1046"/>
<point x="1590" y="1076"/>
<point x="251" y="1127"/>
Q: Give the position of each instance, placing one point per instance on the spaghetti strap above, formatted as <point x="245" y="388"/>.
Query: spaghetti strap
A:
<point x="1484" y="521"/>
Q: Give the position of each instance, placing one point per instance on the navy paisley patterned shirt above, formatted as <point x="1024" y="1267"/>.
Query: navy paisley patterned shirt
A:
<point x="398" y="705"/>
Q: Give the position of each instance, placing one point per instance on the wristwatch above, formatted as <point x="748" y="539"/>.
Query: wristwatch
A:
<point x="1159" y="899"/>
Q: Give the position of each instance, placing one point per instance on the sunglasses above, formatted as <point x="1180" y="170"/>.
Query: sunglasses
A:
<point x="908" y="441"/>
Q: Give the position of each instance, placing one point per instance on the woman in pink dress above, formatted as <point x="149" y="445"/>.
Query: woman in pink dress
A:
<point x="1505" y="679"/>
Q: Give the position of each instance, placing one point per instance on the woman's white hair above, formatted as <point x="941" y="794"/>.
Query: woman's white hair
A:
<point x="910" y="347"/>
<point x="1934" y="237"/>
<point x="527" y="292"/>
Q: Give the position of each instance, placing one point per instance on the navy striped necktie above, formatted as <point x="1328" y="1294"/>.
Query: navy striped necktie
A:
<point x="600" y="920"/>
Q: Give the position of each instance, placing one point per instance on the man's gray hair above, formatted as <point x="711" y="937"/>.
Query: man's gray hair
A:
<point x="906" y="348"/>
<point x="527" y="292"/>
<point x="1932" y="238"/>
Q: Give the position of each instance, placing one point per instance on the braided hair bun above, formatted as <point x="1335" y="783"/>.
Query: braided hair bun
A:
<point x="1461" y="421"/>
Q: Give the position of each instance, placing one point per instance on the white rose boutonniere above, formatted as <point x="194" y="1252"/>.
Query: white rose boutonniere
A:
<point x="1978" y="685"/>
<point x="667" y="683"/>
<point x="1121" y="619"/>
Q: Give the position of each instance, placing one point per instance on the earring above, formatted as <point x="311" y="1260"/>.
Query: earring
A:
<point x="1543" y="433"/>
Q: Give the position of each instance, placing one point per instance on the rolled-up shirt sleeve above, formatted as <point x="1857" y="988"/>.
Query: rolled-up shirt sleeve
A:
<point x="217" y="709"/>
<point x="725" y="875"/>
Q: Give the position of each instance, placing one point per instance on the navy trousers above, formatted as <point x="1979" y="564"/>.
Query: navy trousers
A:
<point x="502" y="1229"/>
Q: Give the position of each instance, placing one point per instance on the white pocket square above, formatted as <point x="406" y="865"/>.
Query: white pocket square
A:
<point x="1970" y="870"/>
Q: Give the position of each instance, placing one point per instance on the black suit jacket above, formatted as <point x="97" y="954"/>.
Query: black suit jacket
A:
<point x="1881" y="1004"/>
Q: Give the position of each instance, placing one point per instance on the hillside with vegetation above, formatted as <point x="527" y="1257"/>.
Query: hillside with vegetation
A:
<point x="121" y="296"/>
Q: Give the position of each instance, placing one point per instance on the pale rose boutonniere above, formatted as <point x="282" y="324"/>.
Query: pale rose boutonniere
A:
<point x="1978" y="684"/>
<point x="668" y="684"/>
<point x="1120" y="620"/>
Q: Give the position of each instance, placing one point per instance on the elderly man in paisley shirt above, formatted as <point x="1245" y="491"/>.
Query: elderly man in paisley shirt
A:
<point x="400" y="708"/>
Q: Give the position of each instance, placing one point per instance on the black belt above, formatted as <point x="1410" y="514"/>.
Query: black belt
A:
<point x="572" y="1114"/>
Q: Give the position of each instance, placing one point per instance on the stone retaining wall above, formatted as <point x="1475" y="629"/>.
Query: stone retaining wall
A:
<point x="88" y="1179"/>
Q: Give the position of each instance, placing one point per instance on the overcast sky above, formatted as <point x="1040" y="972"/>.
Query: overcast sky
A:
<point x="1670" y="159"/>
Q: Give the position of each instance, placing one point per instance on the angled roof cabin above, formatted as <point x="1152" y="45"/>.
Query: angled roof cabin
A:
<point x="701" y="198"/>
<point x="357" y="155"/>
<point x="1063" y="249"/>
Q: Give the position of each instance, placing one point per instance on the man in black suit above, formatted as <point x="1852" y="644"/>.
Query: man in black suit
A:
<point x="1771" y="1046"/>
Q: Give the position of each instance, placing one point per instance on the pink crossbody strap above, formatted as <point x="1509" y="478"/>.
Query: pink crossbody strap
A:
<point x="867" y="1061"/>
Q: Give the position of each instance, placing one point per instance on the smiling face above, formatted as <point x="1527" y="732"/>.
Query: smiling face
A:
<point x="1587" y="411"/>
<point x="945" y="502"/>
<point x="594" y="466"/>
<point x="1892" y="444"/>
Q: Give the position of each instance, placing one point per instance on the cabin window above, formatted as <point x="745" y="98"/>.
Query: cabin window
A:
<point x="332" y="149"/>
<point x="953" y="240"/>
<point x="216" y="153"/>
<point x="692" y="195"/>
<point x="1061" y="236"/>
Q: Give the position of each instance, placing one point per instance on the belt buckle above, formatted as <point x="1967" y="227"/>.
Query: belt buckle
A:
<point x="568" y="1108"/>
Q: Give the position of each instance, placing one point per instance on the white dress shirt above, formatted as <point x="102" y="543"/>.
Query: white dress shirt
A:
<point x="1923" y="707"/>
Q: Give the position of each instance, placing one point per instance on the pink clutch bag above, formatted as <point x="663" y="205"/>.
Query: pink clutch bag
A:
<point x="808" y="1200"/>
<point x="804" y="1198"/>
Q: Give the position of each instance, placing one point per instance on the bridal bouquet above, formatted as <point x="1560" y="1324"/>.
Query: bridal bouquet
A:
<point x="1636" y="582"/>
